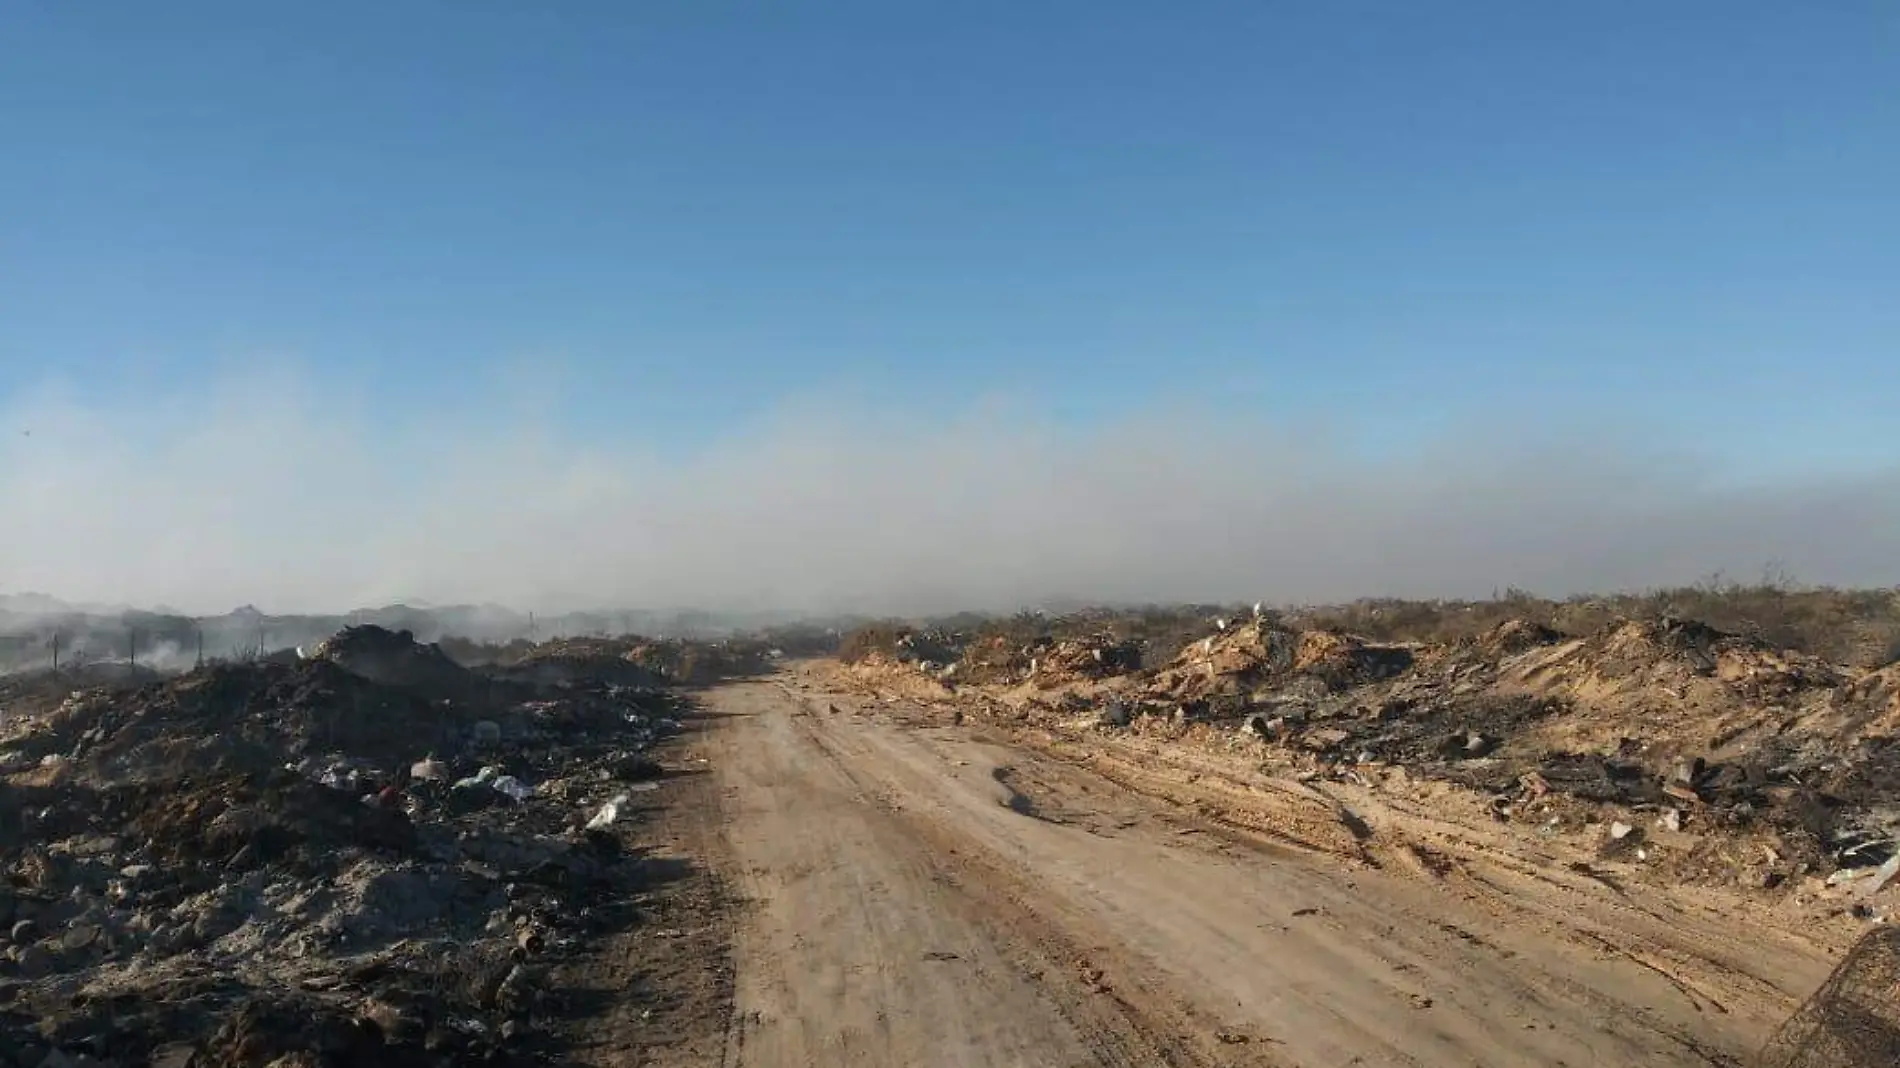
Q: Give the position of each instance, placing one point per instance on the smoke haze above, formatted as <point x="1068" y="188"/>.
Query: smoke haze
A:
<point x="285" y="494"/>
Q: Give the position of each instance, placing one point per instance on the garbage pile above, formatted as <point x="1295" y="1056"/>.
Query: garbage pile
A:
<point x="1094" y="657"/>
<point x="1664" y="725"/>
<point x="1045" y="661"/>
<point x="361" y="857"/>
<point x="696" y="663"/>
<point x="566" y="660"/>
<point x="1259" y="658"/>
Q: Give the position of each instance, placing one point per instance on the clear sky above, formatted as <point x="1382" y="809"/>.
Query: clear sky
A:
<point x="657" y="225"/>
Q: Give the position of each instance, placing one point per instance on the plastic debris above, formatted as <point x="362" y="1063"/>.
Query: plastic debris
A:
<point x="513" y="787"/>
<point x="1882" y="876"/>
<point x="608" y="813"/>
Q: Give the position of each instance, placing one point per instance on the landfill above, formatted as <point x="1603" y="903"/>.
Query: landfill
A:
<point x="1748" y="763"/>
<point x="363" y="854"/>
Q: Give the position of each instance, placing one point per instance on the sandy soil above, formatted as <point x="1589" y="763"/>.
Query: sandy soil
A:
<point x="916" y="894"/>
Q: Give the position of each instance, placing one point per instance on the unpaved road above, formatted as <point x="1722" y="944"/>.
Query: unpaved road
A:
<point x="918" y="895"/>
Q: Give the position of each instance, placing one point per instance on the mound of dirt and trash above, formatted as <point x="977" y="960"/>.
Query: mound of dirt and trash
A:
<point x="361" y="855"/>
<point x="1744" y="762"/>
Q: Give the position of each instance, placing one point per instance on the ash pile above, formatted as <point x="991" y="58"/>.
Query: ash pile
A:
<point x="361" y="855"/>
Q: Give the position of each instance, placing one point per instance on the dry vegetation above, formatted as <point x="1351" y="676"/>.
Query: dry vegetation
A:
<point x="1857" y="628"/>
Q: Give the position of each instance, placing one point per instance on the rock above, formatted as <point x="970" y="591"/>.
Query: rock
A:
<point x="1882" y="876"/>
<point x="1685" y="771"/>
<point x="1620" y="830"/>
<point x="487" y="732"/>
<point x="1324" y="738"/>
<point x="56" y="1059"/>
<point x="515" y="996"/>
<point x="1113" y="714"/>
<point x="1261" y="725"/>
<point x="397" y="1026"/>
<point x="637" y="768"/>
<point x="79" y="936"/>
<point x="24" y="931"/>
<point x="1681" y="793"/>
<point x="176" y="1055"/>
<point x="429" y="770"/>
<point x="33" y="962"/>
<point x="1670" y="820"/>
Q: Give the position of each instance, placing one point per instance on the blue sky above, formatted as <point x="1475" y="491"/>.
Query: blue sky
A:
<point x="659" y="224"/>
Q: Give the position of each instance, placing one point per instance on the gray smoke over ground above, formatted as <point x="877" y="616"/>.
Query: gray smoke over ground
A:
<point x="287" y="496"/>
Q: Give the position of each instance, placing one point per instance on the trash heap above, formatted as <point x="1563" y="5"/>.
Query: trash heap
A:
<point x="1729" y="760"/>
<point x="1096" y="657"/>
<point x="565" y="660"/>
<point x="365" y="856"/>
<point x="1044" y="661"/>
<point x="1259" y="662"/>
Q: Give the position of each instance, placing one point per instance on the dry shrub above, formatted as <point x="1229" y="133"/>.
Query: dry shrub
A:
<point x="870" y="639"/>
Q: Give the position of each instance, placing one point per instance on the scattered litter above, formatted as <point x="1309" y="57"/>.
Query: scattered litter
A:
<point x="1882" y="876"/>
<point x="608" y="813"/>
<point x="513" y="787"/>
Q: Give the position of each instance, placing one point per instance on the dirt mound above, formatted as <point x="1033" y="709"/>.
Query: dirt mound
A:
<point x="698" y="663"/>
<point x="1258" y="654"/>
<point x="1514" y="636"/>
<point x="1097" y="657"/>
<point x="1876" y="696"/>
<point x="1046" y="661"/>
<point x="1682" y="686"/>
<point x="241" y="717"/>
<point x="567" y="660"/>
<point x="995" y="660"/>
<point x="1342" y="661"/>
<point x="394" y="658"/>
<point x="1238" y="657"/>
<point x="1635" y="654"/>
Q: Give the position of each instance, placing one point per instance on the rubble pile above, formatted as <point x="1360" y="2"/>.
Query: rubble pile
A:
<point x="1258" y="656"/>
<point x="702" y="662"/>
<point x="995" y="660"/>
<point x="1511" y="637"/>
<point x="566" y="660"/>
<point x="357" y="858"/>
<point x="1045" y="661"/>
<point x="1638" y="658"/>
<point x="392" y="657"/>
<point x="1095" y="657"/>
<point x="1734" y="760"/>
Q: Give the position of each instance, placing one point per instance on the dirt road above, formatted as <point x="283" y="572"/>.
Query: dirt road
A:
<point x="919" y="895"/>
